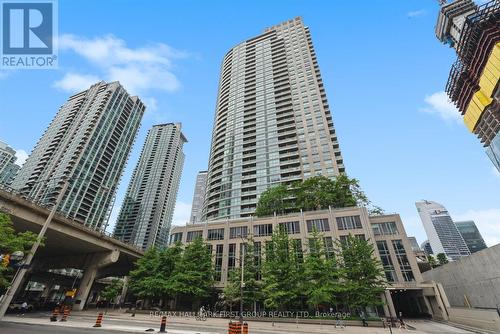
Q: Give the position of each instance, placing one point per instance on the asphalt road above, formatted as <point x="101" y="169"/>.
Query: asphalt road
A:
<point x="12" y="328"/>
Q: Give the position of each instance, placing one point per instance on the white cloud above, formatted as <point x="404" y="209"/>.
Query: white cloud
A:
<point x="416" y="13"/>
<point x="138" y="69"/>
<point x="439" y="104"/>
<point x="487" y="221"/>
<point x="21" y="156"/>
<point x="182" y="213"/>
<point x="74" y="82"/>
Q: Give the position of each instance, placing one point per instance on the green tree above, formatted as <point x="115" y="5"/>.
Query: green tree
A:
<point x="10" y="242"/>
<point x="274" y="199"/>
<point x="143" y="279"/>
<point x="194" y="274"/>
<point x="112" y="291"/>
<point x="432" y="261"/>
<point x="321" y="274"/>
<point x="442" y="259"/>
<point x="362" y="273"/>
<point x="232" y="292"/>
<point x="280" y="273"/>
<point x="315" y="193"/>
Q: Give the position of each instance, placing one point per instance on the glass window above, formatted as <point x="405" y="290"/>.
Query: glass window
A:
<point x="321" y="225"/>
<point x="385" y="257"/>
<point x="291" y="227"/>
<point x="175" y="237"/>
<point x="237" y="232"/>
<point x="404" y="264"/>
<point x="349" y="222"/>
<point x="216" y="234"/>
<point x="262" y="230"/>
<point x="385" y="228"/>
<point x="192" y="235"/>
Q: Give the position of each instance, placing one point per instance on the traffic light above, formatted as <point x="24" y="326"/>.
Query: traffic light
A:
<point x="5" y="260"/>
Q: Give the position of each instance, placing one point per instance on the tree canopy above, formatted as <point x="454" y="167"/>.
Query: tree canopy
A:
<point x="315" y="193"/>
<point x="10" y="242"/>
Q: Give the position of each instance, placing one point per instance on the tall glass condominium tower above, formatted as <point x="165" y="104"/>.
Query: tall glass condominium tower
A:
<point x="147" y="210"/>
<point x="272" y="122"/>
<point x="87" y="143"/>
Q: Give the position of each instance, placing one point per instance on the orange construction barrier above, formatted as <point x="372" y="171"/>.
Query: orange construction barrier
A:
<point x="163" y="324"/>
<point x="245" y="328"/>
<point x="98" y="321"/>
<point x="65" y="313"/>
<point x="55" y="314"/>
<point x="230" y="328"/>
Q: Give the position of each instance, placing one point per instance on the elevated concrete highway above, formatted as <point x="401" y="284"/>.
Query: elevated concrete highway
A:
<point x="70" y="244"/>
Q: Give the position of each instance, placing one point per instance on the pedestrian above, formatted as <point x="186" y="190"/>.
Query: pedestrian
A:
<point x="401" y="323"/>
<point x="339" y="321"/>
<point x="363" y="319"/>
<point x="24" y="307"/>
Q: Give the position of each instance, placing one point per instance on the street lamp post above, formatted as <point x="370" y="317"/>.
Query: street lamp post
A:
<point x="242" y="284"/>
<point x="22" y="271"/>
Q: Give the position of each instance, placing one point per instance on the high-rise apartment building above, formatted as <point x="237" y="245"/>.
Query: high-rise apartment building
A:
<point x="272" y="123"/>
<point x="198" y="197"/>
<point x="473" y="81"/>
<point x="443" y="235"/>
<point x="471" y="235"/>
<point x="149" y="203"/>
<point x="8" y="167"/>
<point x="87" y="144"/>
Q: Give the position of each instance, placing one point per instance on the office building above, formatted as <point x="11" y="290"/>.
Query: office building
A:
<point x="272" y="123"/>
<point x="8" y="167"/>
<point x="87" y="143"/>
<point x="443" y="235"/>
<point x="471" y="235"/>
<point x="426" y="247"/>
<point x="149" y="203"/>
<point x="472" y="85"/>
<point x="405" y="292"/>
<point x="198" y="197"/>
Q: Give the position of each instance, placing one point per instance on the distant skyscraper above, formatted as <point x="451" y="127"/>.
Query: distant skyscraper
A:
<point x="148" y="207"/>
<point x="198" y="197"/>
<point x="8" y="167"/>
<point x="442" y="233"/>
<point x="473" y="81"/>
<point x="471" y="235"/>
<point x="272" y="123"/>
<point x="88" y="142"/>
<point x="426" y="247"/>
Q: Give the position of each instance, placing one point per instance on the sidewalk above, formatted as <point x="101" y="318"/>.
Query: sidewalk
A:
<point x="120" y="321"/>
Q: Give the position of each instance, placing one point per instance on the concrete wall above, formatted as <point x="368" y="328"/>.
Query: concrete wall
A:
<point x="471" y="281"/>
<point x="478" y="318"/>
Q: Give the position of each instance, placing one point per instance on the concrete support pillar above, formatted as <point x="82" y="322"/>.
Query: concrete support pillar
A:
<point x="442" y="300"/>
<point x="83" y="290"/>
<point x="390" y="304"/>
<point x="124" y="291"/>
<point x="93" y="263"/>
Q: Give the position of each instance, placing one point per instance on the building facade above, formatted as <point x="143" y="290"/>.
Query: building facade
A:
<point x="471" y="235"/>
<point x="426" y="247"/>
<point x="86" y="145"/>
<point x="198" y="197"/>
<point x="473" y="81"/>
<point x="148" y="207"/>
<point x="8" y="167"/>
<point x="406" y="291"/>
<point x="272" y="122"/>
<point x="443" y="235"/>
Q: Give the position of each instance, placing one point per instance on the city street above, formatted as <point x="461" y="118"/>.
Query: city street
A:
<point x="114" y="322"/>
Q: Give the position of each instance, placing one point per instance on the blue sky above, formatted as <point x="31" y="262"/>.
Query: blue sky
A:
<point x="384" y="73"/>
